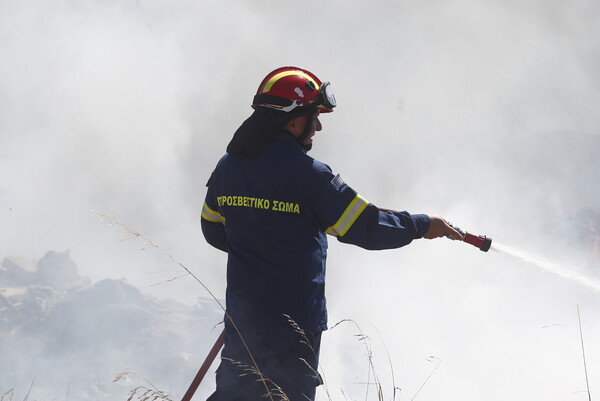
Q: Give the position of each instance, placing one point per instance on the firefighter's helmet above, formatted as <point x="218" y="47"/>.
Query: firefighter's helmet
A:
<point x="287" y="88"/>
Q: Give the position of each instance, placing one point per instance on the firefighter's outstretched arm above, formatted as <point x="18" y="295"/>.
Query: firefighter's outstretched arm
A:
<point x="377" y="228"/>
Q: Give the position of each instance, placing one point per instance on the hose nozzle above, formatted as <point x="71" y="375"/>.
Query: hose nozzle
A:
<point x="480" y="241"/>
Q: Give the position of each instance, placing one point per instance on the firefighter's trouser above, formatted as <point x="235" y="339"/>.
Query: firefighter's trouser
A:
<point x="288" y="363"/>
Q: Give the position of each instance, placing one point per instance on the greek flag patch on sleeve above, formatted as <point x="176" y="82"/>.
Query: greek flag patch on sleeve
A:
<point x="337" y="182"/>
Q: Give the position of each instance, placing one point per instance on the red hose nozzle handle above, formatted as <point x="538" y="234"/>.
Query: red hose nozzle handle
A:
<point x="480" y="241"/>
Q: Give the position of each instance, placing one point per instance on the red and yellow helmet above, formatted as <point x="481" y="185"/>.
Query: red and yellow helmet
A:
<point x="287" y="88"/>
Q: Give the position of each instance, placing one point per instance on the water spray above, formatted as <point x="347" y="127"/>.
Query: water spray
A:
<point x="484" y="243"/>
<point x="480" y="241"/>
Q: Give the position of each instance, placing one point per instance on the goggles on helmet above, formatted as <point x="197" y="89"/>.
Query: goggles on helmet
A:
<point x="325" y="97"/>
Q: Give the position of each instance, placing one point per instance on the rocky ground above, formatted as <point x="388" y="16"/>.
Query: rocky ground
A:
<point x="66" y="338"/>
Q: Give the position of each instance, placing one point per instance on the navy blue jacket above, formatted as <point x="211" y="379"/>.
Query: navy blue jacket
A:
<point x="271" y="214"/>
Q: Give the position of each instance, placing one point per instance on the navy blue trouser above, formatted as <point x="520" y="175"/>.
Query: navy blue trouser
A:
<point x="280" y="357"/>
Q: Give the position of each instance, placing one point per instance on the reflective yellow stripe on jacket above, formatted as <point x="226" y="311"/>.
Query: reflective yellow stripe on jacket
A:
<point x="354" y="209"/>
<point x="211" y="215"/>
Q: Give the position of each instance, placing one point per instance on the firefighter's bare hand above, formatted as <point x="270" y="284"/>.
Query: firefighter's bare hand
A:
<point x="439" y="227"/>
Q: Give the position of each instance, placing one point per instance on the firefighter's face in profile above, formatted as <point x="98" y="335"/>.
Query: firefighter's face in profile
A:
<point x="297" y="125"/>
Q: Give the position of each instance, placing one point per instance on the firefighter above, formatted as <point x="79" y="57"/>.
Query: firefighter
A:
<point x="270" y="206"/>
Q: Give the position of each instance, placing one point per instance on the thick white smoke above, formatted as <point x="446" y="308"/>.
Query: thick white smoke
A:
<point x="481" y="111"/>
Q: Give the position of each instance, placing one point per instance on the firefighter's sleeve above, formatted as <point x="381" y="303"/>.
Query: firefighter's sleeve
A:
<point x="385" y="229"/>
<point x="213" y="223"/>
<point x="345" y="214"/>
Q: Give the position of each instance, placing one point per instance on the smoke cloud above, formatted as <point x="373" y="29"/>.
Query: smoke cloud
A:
<point x="483" y="112"/>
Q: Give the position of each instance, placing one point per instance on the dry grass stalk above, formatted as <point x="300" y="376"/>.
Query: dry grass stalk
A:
<point x="430" y="359"/>
<point x="143" y="393"/>
<point x="168" y="280"/>
<point x="394" y="387"/>
<point x="372" y="377"/>
<point x="10" y="393"/>
<point x="274" y="392"/>
<point x="147" y="394"/>
<point x="305" y="341"/>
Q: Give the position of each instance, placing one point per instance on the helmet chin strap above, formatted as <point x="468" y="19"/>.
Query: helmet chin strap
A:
<point x="303" y="136"/>
<point x="309" y="112"/>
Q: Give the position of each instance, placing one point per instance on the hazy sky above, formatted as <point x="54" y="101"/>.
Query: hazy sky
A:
<point x="482" y="111"/>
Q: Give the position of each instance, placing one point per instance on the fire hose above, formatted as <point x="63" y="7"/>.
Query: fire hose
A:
<point x="204" y="368"/>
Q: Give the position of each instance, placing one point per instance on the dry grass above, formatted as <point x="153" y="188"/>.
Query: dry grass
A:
<point x="10" y="393"/>
<point x="372" y="377"/>
<point x="274" y="391"/>
<point x="147" y="392"/>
